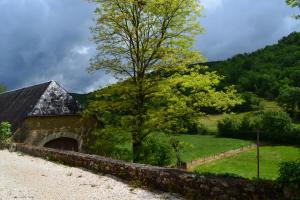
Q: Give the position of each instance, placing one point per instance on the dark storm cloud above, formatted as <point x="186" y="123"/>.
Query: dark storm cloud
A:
<point x="43" y="40"/>
<point x="234" y="27"/>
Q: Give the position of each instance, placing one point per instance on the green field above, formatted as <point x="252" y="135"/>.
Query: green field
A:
<point x="244" y="164"/>
<point x="211" y="121"/>
<point x="207" y="145"/>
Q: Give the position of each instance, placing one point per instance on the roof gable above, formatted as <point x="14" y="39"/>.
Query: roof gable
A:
<point x="55" y="101"/>
<point x="39" y="100"/>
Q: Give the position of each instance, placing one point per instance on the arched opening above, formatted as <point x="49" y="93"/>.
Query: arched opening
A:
<point x="63" y="143"/>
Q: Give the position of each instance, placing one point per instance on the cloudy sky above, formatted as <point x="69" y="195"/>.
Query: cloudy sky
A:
<point x="43" y="40"/>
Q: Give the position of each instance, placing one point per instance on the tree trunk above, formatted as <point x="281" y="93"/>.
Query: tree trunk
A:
<point x="136" y="150"/>
<point x="137" y="135"/>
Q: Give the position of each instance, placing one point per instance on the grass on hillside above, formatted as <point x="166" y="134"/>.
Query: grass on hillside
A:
<point x="244" y="164"/>
<point x="211" y="121"/>
<point x="208" y="145"/>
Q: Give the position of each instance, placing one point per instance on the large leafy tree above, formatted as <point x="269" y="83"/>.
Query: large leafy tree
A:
<point x="148" y="43"/>
<point x="294" y="4"/>
<point x="289" y="99"/>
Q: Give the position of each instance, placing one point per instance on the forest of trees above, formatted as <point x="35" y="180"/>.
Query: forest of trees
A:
<point x="266" y="71"/>
<point x="272" y="73"/>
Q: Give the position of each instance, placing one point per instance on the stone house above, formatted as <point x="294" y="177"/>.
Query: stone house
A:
<point x="46" y="115"/>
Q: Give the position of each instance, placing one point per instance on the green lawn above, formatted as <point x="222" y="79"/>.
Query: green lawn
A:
<point x="244" y="164"/>
<point x="207" y="145"/>
<point x="211" y="121"/>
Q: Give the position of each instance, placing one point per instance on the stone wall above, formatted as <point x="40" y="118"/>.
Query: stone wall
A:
<point x="192" y="186"/>
<point x="38" y="130"/>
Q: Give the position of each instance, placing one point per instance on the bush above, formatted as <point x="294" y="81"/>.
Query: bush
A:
<point x="156" y="150"/>
<point x="5" y="132"/>
<point x="295" y="134"/>
<point x="251" y="102"/>
<point x="229" y="127"/>
<point x="197" y="128"/>
<point x="111" y="142"/>
<point x="289" y="178"/>
<point x="247" y="128"/>
<point x="202" y="129"/>
<point x="274" y="127"/>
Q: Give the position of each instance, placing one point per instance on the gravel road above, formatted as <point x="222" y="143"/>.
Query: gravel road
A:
<point x="26" y="177"/>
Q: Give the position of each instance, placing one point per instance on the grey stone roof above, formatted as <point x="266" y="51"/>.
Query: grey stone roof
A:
<point x="39" y="100"/>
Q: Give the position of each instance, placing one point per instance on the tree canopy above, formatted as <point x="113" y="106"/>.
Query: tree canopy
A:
<point x="265" y="71"/>
<point x="294" y="4"/>
<point x="148" y="46"/>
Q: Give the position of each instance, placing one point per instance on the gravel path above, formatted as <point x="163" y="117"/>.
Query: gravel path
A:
<point x="26" y="177"/>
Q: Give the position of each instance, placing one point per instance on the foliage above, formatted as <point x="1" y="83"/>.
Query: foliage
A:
<point x="82" y="99"/>
<point x="245" y="164"/>
<point x="229" y="126"/>
<point x="2" y="88"/>
<point x="274" y="126"/>
<point x="138" y="40"/>
<point x="172" y="109"/>
<point x="157" y="150"/>
<point x="294" y="4"/>
<point x="5" y="132"/>
<point x="289" y="99"/>
<point x="289" y="176"/>
<point x="251" y="103"/>
<point x="264" y="71"/>
<point x="202" y="129"/>
<point x="112" y="142"/>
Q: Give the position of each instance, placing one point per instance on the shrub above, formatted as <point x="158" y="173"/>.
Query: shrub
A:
<point x="289" y="178"/>
<point x="229" y="126"/>
<point x="202" y="129"/>
<point x="157" y="150"/>
<point x="295" y="133"/>
<point x="5" y="132"/>
<point x="275" y="126"/>
<point x="251" y="102"/>
<point x="247" y="127"/>
<point x="111" y="142"/>
<point x="191" y="127"/>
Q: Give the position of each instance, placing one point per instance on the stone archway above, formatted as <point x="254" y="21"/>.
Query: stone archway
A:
<point x="63" y="143"/>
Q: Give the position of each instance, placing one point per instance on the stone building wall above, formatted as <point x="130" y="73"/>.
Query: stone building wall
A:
<point x="192" y="186"/>
<point x="38" y="131"/>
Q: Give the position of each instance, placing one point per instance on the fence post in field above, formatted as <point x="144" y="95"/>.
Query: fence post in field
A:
<point x="257" y="151"/>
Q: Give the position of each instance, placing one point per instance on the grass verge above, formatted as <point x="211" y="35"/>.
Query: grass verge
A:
<point x="244" y="164"/>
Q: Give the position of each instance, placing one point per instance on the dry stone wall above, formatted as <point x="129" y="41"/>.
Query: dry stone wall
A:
<point x="190" y="185"/>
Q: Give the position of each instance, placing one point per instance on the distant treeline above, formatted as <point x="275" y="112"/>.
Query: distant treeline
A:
<point x="266" y="71"/>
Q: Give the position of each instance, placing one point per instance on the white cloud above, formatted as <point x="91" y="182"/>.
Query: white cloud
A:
<point x="241" y="26"/>
<point x="81" y="50"/>
<point x="211" y="4"/>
